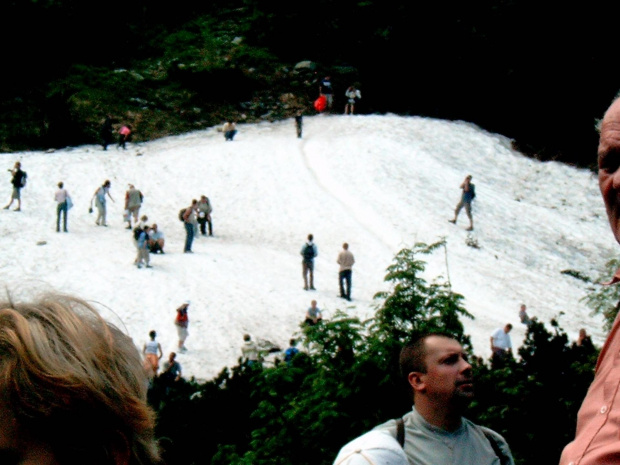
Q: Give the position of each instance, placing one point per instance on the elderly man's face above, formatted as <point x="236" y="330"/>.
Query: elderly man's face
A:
<point x="609" y="165"/>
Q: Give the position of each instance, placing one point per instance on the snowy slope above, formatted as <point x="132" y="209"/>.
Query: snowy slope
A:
<point x="379" y="183"/>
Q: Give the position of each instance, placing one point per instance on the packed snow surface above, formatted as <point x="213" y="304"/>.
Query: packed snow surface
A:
<point x="380" y="183"/>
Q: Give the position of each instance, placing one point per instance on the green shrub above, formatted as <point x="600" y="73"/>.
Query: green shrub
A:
<point x="346" y="381"/>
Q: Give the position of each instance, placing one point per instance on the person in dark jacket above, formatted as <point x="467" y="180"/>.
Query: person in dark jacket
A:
<point x="107" y="133"/>
<point x="17" y="180"/>
<point x="299" y="123"/>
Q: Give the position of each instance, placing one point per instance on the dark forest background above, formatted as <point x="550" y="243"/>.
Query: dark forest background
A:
<point x="541" y="73"/>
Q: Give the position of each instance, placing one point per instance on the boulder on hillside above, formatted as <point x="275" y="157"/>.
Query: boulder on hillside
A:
<point x="305" y="65"/>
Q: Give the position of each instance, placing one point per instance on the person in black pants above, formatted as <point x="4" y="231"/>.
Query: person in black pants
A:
<point x="204" y="215"/>
<point x="298" y="123"/>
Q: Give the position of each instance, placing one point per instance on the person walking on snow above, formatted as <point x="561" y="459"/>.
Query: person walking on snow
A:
<point x="152" y="354"/>
<point x="17" y="180"/>
<point x="143" y="248"/>
<point x="124" y="133"/>
<point x="133" y="202"/>
<point x="469" y="193"/>
<point x="182" y="323"/>
<point x="346" y="261"/>
<point x="62" y="206"/>
<point x="308" y="251"/>
<point x="100" y="202"/>
<point x="204" y="215"/>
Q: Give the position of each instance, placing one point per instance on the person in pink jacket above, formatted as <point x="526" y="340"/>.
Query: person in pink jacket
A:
<point x="124" y="133"/>
<point x="598" y="422"/>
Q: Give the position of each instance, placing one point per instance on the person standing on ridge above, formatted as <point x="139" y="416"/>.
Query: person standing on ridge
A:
<point x="469" y="193"/>
<point x="100" y="202"/>
<point x="124" y="134"/>
<point x="62" y="206"/>
<point x="299" y="121"/>
<point x="346" y="261"/>
<point x="326" y="89"/>
<point x="353" y="95"/>
<point x="308" y="251"/>
<point x="18" y="180"/>
<point x="229" y="130"/>
<point x="106" y="133"/>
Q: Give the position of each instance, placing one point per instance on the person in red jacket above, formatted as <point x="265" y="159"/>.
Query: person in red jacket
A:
<point x="182" y="323"/>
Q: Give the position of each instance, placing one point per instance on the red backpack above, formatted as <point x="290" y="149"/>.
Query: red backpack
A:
<point x="320" y="104"/>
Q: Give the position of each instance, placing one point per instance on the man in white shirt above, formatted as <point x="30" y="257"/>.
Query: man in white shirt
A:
<point x="501" y="345"/>
<point x="156" y="240"/>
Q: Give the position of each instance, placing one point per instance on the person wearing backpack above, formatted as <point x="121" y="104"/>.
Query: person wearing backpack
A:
<point x="291" y="351"/>
<point x="142" y="237"/>
<point x="133" y="202"/>
<point x="469" y="194"/>
<point x="18" y="180"/>
<point x="308" y="251"/>
<point x="189" y="218"/>
<point x="435" y="432"/>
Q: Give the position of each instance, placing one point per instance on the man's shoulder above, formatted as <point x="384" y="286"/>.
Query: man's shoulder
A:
<point x="379" y="445"/>
<point x="496" y="440"/>
<point x="388" y="426"/>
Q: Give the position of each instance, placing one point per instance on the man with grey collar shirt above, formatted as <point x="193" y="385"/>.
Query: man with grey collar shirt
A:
<point x="435" y="432"/>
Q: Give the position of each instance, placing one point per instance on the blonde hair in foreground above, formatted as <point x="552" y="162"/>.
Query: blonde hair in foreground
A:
<point x="75" y="382"/>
